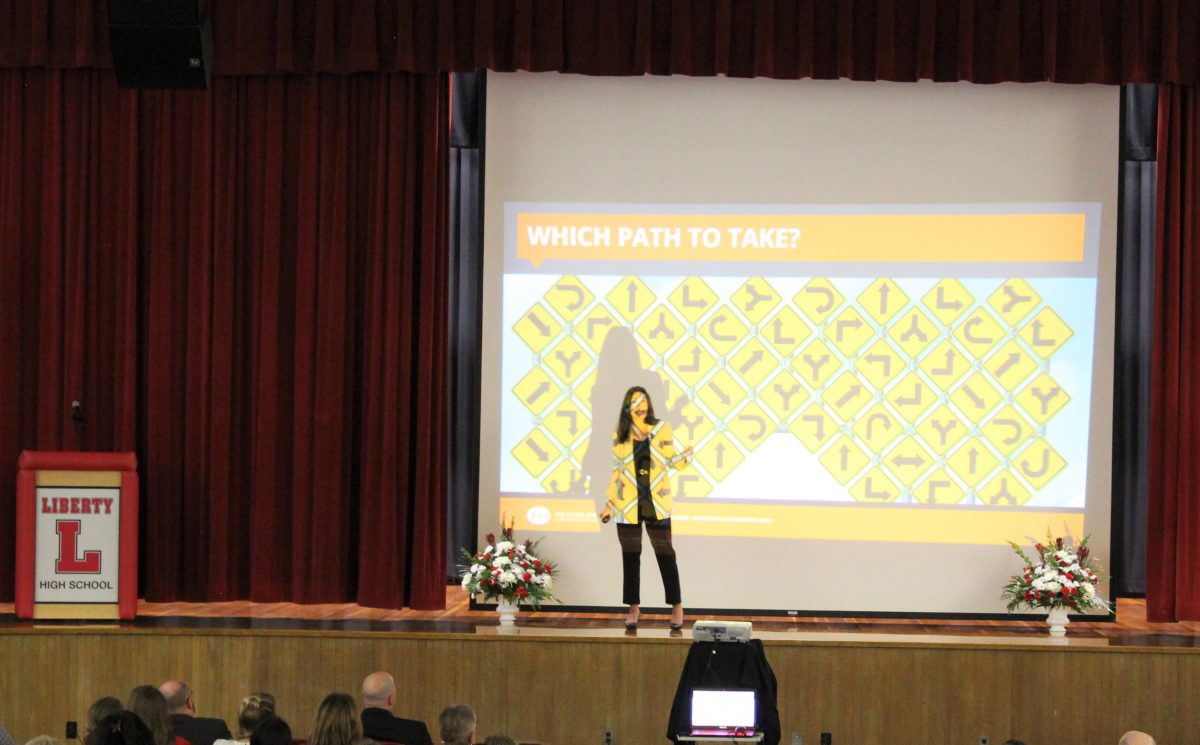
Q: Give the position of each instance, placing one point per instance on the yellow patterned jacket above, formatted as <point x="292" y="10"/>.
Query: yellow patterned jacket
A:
<point x="622" y="490"/>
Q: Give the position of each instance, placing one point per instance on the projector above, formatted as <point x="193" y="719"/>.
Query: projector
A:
<point x="722" y="631"/>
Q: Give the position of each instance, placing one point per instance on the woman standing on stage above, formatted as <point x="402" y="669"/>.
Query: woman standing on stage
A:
<point x="644" y="455"/>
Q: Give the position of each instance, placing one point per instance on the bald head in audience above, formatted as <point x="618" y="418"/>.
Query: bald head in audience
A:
<point x="379" y="691"/>
<point x="1136" y="737"/>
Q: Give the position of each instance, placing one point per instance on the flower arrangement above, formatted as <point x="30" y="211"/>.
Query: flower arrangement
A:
<point x="1062" y="576"/>
<point x="508" y="570"/>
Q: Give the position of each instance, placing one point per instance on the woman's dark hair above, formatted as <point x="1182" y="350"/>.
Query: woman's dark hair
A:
<point x="101" y="708"/>
<point x="254" y="712"/>
<point x="273" y="731"/>
<point x="625" y="422"/>
<point x="123" y="728"/>
<point x="151" y="707"/>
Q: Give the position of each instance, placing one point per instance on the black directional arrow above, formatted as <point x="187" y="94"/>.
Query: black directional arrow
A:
<point x="941" y="301"/>
<point x="576" y="290"/>
<point x="542" y="328"/>
<point x="542" y="389"/>
<point x="826" y="292"/>
<point x="542" y="455"/>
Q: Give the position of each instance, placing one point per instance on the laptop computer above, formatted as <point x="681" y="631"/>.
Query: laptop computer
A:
<point x="723" y="712"/>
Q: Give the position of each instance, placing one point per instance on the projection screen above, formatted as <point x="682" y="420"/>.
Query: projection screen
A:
<point x="879" y="313"/>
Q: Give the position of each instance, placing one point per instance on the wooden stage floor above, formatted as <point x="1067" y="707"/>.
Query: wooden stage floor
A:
<point x="1129" y="629"/>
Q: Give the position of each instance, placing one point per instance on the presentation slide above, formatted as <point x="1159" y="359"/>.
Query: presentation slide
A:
<point x="906" y="384"/>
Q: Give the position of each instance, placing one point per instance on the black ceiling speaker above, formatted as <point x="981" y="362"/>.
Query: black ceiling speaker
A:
<point x="161" y="43"/>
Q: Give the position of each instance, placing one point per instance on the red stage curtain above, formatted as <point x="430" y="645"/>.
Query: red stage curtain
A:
<point x="1173" y="522"/>
<point x="1112" y="41"/>
<point x="264" y="266"/>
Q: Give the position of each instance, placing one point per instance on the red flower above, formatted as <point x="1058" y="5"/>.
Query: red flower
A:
<point x="527" y="576"/>
<point x="1066" y="592"/>
<point x="1039" y="547"/>
<point x="1058" y="542"/>
<point x="522" y="592"/>
<point x="537" y="562"/>
<point x="1070" y="576"/>
<point x="1083" y="553"/>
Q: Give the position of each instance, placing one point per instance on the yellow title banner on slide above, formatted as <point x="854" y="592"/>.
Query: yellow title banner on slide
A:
<point x="812" y="522"/>
<point x="1057" y="237"/>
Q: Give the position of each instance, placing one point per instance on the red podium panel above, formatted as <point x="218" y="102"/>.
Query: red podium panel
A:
<point x="77" y="523"/>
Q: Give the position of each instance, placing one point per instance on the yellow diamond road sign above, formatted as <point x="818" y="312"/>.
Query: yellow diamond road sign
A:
<point x="976" y="397"/>
<point x="875" y="486"/>
<point x="752" y="425"/>
<point x="568" y="297"/>
<point x="818" y="299"/>
<point x="537" y="327"/>
<point x="1039" y="463"/>
<point x="849" y="331"/>
<point x="719" y="456"/>
<point x="783" y="395"/>
<point x="979" y="332"/>
<point x="877" y="428"/>
<point x="721" y="394"/>
<point x="722" y="330"/>
<point x="1005" y="490"/>
<point x="844" y="459"/>
<point x="566" y="422"/>
<point x="945" y="365"/>
<point x="938" y="488"/>
<point x="1013" y="300"/>
<point x="753" y="362"/>
<point x="846" y="395"/>
<point x="593" y="327"/>
<point x="973" y="462"/>
<point x="1043" y="398"/>
<point x="535" y="452"/>
<point x="630" y="298"/>
<point x="785" y="331"/>
<point x="942" y="429"/>
<point x="1046" y="333"/>
<point x="1010" y="365"/>
<point x="908" y="461"/>
<point x="693" y="298"/>
<point x="690" y="484"/>
<point x="815" y="363"/>
<point x="879" y="364"/>
<point x="882" y="300"/>
<point x="568" y="360"/>
<point x="755" y="299"/>
<point x="948" y="300"/>
<point x="691" y="362"/>
<point x="1007" y="430"/>
<point x="813" y="427"/>
<point x="661" y="329"/>
<point x="911" y="396"/>
<point x="913" y="331"/>
<point x="694" y="425"/>
<point x="536" y="390"/>
<point x="564" y="478"/>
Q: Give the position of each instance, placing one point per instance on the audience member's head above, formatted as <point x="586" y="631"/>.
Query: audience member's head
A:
<point x="379" y="691"/>
<point x="151" y="707"/>
<point x="267" y="700"/>
<point x="273" y="731"/>
<point x="123" y="728"/>
<point x="1136" y="737"/>
<point x="337" y="721"/>
<point x="254" y="712"/>
<point x="179" y="697"/>
<point x="499" y="740"/>
<point x="458" y="725"/>
<point x="1011" y="741"/>
<point x="45" y="740"/>
<point x="99" y="709"/>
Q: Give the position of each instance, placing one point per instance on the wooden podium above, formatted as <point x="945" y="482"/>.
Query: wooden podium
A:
<point x="77" y="523"/>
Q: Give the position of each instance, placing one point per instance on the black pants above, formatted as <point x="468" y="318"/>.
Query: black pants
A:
<point x="630" y="537"/>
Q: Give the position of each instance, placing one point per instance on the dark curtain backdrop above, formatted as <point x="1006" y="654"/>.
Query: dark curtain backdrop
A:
<point x="248" y="288"/>
<point x="1098" y="41"/>
<point x="1173" y="525"/>
<point x="193" y="266"/>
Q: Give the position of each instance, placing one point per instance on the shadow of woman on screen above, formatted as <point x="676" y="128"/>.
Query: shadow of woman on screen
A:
<point x="618" y="368"/>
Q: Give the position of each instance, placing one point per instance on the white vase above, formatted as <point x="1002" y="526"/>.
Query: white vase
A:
<point x="1058" y="620"/>
<point x="508" y="612"/>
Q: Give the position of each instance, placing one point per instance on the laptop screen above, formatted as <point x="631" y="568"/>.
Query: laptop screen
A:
<point x="722" y="707"/>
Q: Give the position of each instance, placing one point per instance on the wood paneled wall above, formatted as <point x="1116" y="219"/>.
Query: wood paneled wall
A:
<point x="567" y="691"/>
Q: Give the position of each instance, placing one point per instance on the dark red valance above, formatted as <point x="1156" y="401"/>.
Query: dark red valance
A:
<point x="1080" y="41"/>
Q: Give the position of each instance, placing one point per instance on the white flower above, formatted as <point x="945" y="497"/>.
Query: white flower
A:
<point x="503" y="546"/>
<point x="466" y="580"/>
<point x="489" y="550"/>
<point x="501" y="561"/>
<point x="506" y="579"/>
<point x="476" y="568"/>
<point x="547" y="580"/>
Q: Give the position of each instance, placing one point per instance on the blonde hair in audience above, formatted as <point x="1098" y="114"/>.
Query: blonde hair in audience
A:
<point x="337" y="721"/>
